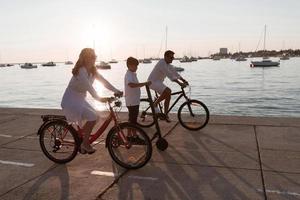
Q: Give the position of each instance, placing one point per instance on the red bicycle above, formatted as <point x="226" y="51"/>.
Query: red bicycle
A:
<point x="128" y="145"/>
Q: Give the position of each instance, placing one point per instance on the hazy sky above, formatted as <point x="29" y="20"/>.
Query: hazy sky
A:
<point x="40" y="30"/>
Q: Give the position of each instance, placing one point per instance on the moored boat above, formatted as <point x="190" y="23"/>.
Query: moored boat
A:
<point x="68" y="62"/>
<point x="185" y="59"/>
<point x="264" y="63"/>
<point x="113" y="61"/>
<point x="284" y="57"/>
<point x="147" y="61"/>
<point x="103" y="65"/>
<point x="241" y="58"/>
<point x="28" y="66"/>
<point x="49" y="64"/>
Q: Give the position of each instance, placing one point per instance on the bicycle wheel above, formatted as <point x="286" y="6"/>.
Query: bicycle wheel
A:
<point x="145" y="118"/>
<point x="135" y="152"/>
<point x="59" y="141"/>
<point x="193" y="115"/>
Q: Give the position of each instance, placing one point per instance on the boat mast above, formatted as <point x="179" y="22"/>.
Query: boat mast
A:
<point x="166" y="45"/>
<point x="265" y="38"/>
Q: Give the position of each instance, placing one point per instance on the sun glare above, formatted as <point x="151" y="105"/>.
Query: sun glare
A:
<point x="100" y="37"/>
<point x="100" y="91"/>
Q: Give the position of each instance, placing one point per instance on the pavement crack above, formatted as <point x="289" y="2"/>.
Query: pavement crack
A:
<point x="19" y="138"/>
<point x="260" y="164"/>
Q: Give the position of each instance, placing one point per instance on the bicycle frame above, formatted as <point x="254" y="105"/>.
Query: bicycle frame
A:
<point x="111" y="117"/>
<point x="182" y="94"/>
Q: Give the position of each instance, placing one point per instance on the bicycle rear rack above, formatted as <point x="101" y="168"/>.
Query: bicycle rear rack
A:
<point x="52" y="117"/>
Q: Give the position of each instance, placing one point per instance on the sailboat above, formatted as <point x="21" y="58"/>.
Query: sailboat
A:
<point x="265" y="61"/>
<point x="240" y="56"/>
<point x="284" y="57"/>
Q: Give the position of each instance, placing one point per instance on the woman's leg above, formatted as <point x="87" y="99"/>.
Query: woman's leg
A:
<point x="87" y="129"/>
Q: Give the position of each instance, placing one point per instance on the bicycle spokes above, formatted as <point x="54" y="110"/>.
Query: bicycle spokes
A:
<point x="57" y="141"/>
<point x="193" y="115"/>
<point x="130" y="146"/>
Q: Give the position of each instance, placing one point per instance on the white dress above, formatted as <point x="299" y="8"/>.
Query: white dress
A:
<point x="74" y="104"/>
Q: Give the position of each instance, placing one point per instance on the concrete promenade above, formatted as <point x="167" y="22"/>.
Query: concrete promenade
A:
<point x="231" y="158"/>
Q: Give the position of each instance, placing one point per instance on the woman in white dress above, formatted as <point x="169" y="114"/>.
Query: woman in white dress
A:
<point x="74" y="104"/>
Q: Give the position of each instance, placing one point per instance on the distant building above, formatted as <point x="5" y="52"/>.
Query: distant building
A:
<point x="223" y="51"/>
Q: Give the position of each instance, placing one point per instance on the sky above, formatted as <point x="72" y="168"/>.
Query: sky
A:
<point x="44" y="30"/>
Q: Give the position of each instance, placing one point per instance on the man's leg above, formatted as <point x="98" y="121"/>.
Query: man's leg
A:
<point x="165" y="95"/>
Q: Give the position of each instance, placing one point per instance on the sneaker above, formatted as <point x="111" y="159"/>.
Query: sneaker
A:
<point x="136" y="140"/>
<point x="167" y="119"/>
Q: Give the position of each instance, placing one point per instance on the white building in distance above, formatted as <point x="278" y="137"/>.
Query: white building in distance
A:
<point x="223" y="51"/>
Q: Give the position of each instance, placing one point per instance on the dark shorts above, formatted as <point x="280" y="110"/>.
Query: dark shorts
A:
<point x="133" y="113"/>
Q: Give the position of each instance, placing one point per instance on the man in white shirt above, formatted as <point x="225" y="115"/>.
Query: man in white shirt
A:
<point x="160" y="71"/>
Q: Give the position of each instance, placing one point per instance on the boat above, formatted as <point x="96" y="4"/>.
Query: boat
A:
<point x="147" y="61"/>
<point x="193" y="59"/>
<point x="266" y="62"/>
<point x="68" y="62"/>
<point x="28" y="66"/>
<point x="113" y="61"/>
<point x="216" y="58"/>
<point x="103" y="65"/>
<point x="179" y="69"/>
<point x="284" y="57"/>
<point x="241" y="58"/>
<point x="185" y="59"/>
<point x="49" y="64"/>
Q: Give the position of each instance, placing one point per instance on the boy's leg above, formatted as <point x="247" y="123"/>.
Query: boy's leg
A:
<point x="133" y="115"/>
<point x="129" y="118"/>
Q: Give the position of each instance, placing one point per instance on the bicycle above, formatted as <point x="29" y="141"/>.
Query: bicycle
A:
<point x="192" y="114"/>
<point x="60" y="141"/>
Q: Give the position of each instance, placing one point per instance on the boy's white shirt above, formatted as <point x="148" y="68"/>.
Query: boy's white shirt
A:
<point x="132" y="95"/>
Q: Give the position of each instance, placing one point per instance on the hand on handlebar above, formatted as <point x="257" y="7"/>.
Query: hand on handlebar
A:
<point x="184" y="84"/>
<point x="118" y="94"/>
<point x="106" y="99"/>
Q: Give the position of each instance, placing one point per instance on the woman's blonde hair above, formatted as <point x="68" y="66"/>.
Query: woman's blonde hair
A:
<point x="85" y="55"/>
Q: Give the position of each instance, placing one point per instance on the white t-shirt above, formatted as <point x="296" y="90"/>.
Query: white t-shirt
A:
<point x="132" y="95"/>
<point x="162" y="70"/>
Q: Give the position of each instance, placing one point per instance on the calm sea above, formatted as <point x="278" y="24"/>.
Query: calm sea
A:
<point x="227" y="87"/>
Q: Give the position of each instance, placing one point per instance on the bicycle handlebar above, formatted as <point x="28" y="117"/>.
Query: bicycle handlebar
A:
<point x="118" y="95"/>
<point x="185" y="84"/>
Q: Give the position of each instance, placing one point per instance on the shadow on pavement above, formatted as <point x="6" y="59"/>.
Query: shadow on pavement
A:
<point x="56" y="171"/>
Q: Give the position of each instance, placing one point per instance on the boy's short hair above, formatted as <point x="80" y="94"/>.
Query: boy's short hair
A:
<point x="169" y="52"/>
<point x="132" y="61"/>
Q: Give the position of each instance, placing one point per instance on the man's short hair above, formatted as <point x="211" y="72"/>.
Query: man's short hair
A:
<point x="132" y="61"/>
<point x="169" y="52"/>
